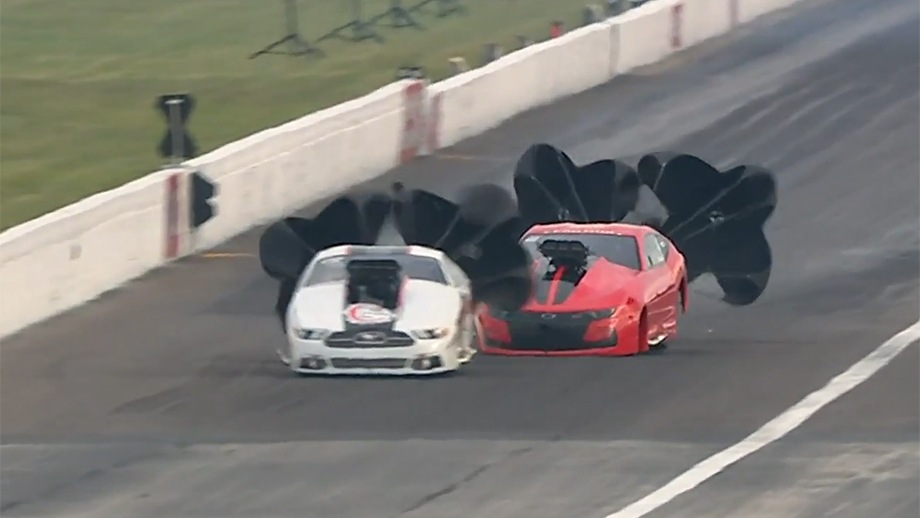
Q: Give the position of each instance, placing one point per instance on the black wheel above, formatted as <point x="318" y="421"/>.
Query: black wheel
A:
<point x="678" y="310"/>
<point x="643" y="331"/>
<point x="284" y="354"/>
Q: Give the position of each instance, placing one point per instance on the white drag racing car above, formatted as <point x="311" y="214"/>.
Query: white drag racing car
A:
<point x="380" y="310"/>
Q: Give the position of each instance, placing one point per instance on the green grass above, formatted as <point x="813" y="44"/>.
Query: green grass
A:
<point x="79" y="78"/>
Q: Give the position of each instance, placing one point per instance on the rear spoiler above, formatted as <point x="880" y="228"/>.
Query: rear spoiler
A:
<point x="564" y="251"/>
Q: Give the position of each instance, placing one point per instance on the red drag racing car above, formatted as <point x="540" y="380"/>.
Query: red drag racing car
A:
<point x="609" y="289"/>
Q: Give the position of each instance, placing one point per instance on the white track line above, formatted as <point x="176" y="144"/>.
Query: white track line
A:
<point x="775" y="429"/>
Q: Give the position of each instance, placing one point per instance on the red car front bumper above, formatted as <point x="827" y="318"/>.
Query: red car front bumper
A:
<point x="612" y="336"/>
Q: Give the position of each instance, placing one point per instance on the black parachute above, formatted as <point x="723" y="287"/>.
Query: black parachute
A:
<point x="715" y="218"/>
<point x="479" y="232"/>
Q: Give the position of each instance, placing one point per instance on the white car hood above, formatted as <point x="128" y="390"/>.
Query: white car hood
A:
<point x="424" y="305"/>
<point x="427" y="305"/>
<point x="319" y="306"/>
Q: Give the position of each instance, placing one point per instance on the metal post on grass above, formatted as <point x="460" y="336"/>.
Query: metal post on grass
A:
<point x="491" y="52"/>
<point x="400" y="17"/>
<point x="360" y="28"/>
<point x="296" y="45"/>
<point x="175" y="129"/>
<point x="444" y="7"/>
<point x="592" y="13"/>
<point x="177" y="144"/>
<point x="410" y="72"/>
<point x="524" y="41"/>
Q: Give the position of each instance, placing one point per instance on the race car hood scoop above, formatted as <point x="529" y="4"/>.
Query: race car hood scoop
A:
<point x="715" y="218"/>
<point x="601" y="286"/>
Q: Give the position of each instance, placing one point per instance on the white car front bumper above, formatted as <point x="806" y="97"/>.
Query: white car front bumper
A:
<point x="423" y="358"/>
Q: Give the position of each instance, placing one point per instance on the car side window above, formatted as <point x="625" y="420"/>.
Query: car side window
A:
<point x="653" y="251"/>
<point x="663" y="245"/>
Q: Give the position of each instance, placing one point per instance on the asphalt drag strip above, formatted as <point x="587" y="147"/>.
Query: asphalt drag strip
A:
<point x="164" y="398"/>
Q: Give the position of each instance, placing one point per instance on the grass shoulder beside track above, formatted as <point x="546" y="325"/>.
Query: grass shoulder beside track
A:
<point x="79" y="81"/>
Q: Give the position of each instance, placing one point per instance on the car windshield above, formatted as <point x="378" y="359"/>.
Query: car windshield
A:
<point x="332" y="269"/>
<point x="618" y="249"/>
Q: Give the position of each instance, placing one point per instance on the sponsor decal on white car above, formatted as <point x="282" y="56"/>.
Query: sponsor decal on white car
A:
<point x="368" y="314"/>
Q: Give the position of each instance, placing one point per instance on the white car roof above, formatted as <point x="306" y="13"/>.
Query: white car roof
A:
<point x="378" y="250"/>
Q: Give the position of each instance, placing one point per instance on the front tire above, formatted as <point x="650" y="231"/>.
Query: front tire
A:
<point x="284" y="355"/>
<point x="642" y="340"/>
<point x="466" y="351"/>
<point x="678" y="310"/>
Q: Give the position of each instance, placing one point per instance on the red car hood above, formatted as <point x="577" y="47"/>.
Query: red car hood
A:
<point x="605" y="285"/>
